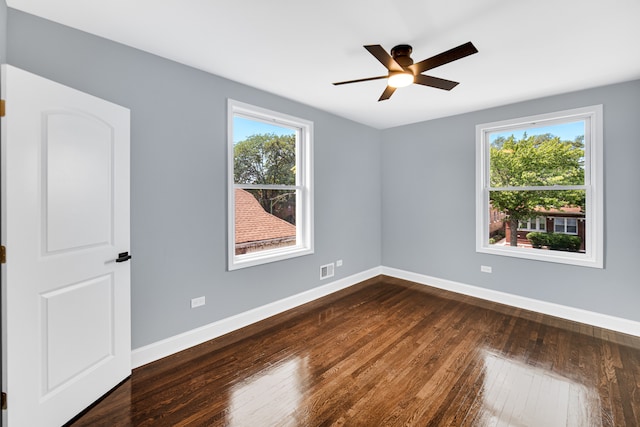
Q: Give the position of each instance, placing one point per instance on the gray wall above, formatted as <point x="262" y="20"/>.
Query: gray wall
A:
<point x="178" y="179"/>
<point x="402" y="197"/>
<point x="3" y="31"/>
<point x="429" y="206"/>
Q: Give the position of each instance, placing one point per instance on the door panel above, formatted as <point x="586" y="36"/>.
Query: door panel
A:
<point x="78" y="160"/>
<point x="78" y="337"/>
<point x="65" y="218"/>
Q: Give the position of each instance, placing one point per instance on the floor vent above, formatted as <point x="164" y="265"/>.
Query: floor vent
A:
<point x="326" y="271"/>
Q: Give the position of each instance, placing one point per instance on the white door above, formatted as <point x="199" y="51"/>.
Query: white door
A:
<point x="65" y="218"/>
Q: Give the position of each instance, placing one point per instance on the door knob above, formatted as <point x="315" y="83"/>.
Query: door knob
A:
<point x="123" y="256"/>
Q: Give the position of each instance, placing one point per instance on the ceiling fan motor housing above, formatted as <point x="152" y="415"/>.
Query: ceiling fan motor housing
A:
<point x="402" y="55"/>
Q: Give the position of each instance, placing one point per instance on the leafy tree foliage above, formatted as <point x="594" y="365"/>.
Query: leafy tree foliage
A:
<point x="268" y="159"/>
<point x="534" y="161"/>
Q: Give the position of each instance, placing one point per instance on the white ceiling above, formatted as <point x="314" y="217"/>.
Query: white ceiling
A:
<point x="297" y="48"/>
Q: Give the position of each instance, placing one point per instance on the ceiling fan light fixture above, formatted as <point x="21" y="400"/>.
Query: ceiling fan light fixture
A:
<point x="400" y="79"/>
<point x="402" y="71"/>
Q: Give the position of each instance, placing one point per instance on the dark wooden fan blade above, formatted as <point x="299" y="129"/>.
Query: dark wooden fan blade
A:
<point x="387" y="93"/>
<point x="384" y="58"/>
<point x="361" y="80"/>
<point x="435" y="82"/>
<point x="444" y="58"/>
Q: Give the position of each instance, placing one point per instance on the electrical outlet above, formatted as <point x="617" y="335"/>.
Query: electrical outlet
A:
<point x="197" y="302"/>
<point x="485" y="268"/>
<point x="339" y="263"/>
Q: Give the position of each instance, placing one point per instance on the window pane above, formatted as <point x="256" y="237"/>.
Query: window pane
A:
<point x="543" y="156"/>
<point x="263" y="153"/>
<point x="542" y="223"/>
<point x="542" y="204"/>
<point x="524" y="204"/>
<point x="265" y="219"/>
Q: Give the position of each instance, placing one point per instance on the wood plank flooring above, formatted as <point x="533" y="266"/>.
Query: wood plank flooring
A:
<point x="389" y="353"/>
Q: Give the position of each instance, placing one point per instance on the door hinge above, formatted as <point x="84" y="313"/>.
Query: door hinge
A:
<point x="3" y="254"/>
<point x="4" y="400"/>
<point x="2" y="107"/>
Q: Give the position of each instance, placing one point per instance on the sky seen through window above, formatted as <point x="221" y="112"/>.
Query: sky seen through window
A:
<point x="566" y="131"/>
<point x="244" y="128"/>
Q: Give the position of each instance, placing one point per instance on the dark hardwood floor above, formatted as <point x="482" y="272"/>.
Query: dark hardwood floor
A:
<point x="390" y="353"/>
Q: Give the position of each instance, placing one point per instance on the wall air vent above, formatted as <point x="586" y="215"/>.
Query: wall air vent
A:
<point x="326" y="271"/>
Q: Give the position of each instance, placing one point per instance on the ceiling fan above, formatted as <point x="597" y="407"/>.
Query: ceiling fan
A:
<point x="403" y="72"/>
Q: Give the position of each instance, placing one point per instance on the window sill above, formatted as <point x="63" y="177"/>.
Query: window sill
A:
<point x="264" y="257"/>
<point x="561" y="257"/>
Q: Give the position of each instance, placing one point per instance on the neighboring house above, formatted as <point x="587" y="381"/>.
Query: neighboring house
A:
<point x="256" y="229"/>
<point x="568" y="220"/>
<point x="496" y="224"/>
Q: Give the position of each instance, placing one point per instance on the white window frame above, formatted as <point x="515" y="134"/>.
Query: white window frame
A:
<point x="593" y="186"/>
<point x="304" y="186"/>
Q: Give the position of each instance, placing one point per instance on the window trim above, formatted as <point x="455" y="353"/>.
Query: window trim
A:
<point x="304" y="186"/>
<point x="594" y="221"/>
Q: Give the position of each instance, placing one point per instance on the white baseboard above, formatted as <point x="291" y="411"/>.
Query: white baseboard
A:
<point x="149" y="353"/>
<point x="570" y="313"/>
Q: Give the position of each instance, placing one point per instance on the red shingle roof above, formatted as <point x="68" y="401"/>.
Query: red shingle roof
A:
<point x="568" y="210"/>
<point x="254" y="224"/>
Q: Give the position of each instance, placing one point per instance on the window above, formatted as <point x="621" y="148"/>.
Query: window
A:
<point x="565" y="225"/>
<point x="270" y="186"/>
<point x="536" y="224"/>
<point x="530" y="168"/>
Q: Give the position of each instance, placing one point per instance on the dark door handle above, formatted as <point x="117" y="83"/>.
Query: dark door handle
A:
<point x="123" y="256"/>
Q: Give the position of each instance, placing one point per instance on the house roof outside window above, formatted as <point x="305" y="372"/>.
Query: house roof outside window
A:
<point x="257" y="229"/>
